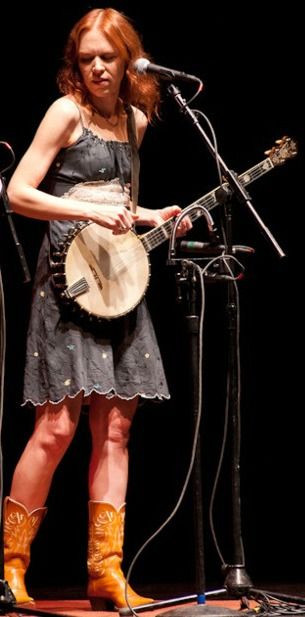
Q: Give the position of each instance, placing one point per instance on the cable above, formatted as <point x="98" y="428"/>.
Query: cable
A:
<point x="272" y="605"/>
<point x="2" y="367"/>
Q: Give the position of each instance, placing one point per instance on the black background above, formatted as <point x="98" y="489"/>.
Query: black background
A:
<point x="250" y="63"/>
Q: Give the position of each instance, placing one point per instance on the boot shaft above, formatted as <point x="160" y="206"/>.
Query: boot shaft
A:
<point x="19" y="528"/>
<point x="105" y="553"/>
<point x="106" y="535"/>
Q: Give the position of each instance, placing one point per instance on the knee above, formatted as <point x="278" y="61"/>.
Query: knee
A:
<point x="118" y="432"/>
<point x="56" y="440"/>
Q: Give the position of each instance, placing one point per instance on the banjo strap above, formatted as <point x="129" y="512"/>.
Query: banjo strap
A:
<point x="135" y="159"/>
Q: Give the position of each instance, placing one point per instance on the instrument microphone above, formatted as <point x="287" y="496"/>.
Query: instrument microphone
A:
<point x="143" y="65"/>
<point x="192" y="246"/>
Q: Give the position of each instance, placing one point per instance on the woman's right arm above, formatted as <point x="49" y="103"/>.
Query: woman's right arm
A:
<point x="56" y="131"/>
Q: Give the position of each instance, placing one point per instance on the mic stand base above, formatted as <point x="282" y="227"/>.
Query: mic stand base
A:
<point x="172" y="602"/>
<point x="203" y="609"/>
<point x="237" y="581"/>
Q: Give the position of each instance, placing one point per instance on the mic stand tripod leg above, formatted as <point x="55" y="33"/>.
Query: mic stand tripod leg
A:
<point x="9" y="607"/>
<point x="237" y="580"/>
<point x="193" y="334"/>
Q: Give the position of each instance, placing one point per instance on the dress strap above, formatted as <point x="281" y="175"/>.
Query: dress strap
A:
<point x="80" y="115"/>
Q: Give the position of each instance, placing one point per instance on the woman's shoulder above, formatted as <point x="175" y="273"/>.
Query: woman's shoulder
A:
<point x="65" y="107"/>
<point x="61" y="121"/>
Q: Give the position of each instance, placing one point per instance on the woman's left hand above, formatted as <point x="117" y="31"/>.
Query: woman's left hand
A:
<point x="173" y="211"/>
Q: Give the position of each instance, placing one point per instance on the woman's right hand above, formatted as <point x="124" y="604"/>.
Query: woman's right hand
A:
<point x="116" y="217"/>
<point x="107" y="204"/>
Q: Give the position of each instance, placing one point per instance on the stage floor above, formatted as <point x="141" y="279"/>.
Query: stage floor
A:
<point x="73" y="603"/>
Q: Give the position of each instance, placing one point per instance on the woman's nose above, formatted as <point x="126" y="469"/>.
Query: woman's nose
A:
<point x="98" y="65"/>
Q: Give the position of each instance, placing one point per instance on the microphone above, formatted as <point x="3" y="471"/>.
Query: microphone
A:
<point x="190" y="246"/>
<point x="143" y="65"/>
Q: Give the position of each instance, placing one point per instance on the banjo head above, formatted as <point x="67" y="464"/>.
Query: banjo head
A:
<point x="106" y="275"/>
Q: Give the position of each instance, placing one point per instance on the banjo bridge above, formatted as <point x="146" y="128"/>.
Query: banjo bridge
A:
<point x="96" y="276"/>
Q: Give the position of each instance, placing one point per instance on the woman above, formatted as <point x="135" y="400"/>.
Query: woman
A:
<point x="84" y="142"/>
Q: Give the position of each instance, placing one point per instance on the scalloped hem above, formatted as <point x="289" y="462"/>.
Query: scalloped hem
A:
<point x="109" y="394"/>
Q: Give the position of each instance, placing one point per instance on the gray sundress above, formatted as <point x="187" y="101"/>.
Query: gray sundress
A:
<point x="118" y="357"/>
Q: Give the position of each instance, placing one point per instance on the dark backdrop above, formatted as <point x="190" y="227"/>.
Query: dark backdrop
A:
<point x="250" y="63"/>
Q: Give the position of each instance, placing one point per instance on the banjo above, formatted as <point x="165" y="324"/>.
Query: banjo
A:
<point x="106" y="276"/>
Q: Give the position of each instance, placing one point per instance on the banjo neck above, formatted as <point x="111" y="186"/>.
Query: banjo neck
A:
<point x="277" y="156"/>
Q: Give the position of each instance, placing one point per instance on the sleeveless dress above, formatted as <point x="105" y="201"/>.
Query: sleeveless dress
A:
<point x="118" y="357"/>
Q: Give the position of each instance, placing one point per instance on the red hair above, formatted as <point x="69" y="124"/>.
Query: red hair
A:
<point x="139" y="90"/>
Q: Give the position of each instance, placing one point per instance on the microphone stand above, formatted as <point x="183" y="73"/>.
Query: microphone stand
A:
<point x="237" y="581"/>
<point x="232" y="179"/>
<point x="8" y="212"/>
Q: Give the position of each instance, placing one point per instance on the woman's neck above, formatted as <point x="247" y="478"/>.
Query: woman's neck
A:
<point x="107" y="122"/>
<point x="106" y="108"/>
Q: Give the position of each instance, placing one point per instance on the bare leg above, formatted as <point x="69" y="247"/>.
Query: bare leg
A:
<point x="54" y="429"/>
<point x="110" y="421"/>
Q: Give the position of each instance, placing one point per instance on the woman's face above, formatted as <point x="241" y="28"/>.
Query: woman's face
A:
<point x="101" y="66"/>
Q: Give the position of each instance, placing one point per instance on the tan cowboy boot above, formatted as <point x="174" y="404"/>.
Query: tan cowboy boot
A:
<point x="19" y="530"/>
<point x="105" y="553"/>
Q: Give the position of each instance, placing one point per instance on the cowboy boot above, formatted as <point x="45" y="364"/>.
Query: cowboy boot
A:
<point x="19" y="530"/>
<point x="105" y="554"/>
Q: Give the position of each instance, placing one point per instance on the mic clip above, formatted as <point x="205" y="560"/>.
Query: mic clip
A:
<point x="223" y="194"/>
